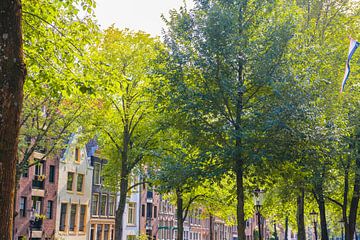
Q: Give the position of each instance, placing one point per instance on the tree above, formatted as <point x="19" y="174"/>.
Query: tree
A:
<point x="225" y="56"/>
<point x="125" y="118"/>
<point x="12" y="75"/>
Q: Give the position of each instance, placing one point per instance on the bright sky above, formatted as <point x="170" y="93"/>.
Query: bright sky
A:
<point x="142" y="15"/>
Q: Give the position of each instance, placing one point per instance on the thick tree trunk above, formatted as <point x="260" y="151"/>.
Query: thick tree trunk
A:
<point x="12" y="74"/>
<point x="300" y="216"/>
<point x="211" y="227"/>
<point x="119" y="221"/>
<point x="179" y="215"/>
<point x="323" y="223"/>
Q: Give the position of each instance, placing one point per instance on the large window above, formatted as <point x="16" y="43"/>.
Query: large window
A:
<point x="95" y="204"/>
<point x="52" y="174"/>
<point x="96" y="173"/>
<point x="82" y="218"/>
<point x="49" y="210"/>
<point x="111" y="205"/>
<point x="131" y="213"/>
<point x="70" y="181"/>
<point x="73" y="217"/>
<point x="103" y="205"/>
<point x="23" y="206"/>
<point x="63" y="216"/>
<point x="80" y="182"/>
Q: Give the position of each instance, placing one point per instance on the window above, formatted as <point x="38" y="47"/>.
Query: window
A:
<point x="70" y="181"/>
<point x="49" y="210"/>
<point x="130" y="237"/>
<point x="143" y="210"/>
<point x="73" y="217"/>
<point x="106" y="231"/>
<point x="95" y="204"/>
<point x="52" y="174"/>
<point x="25" y="171"/>
<point x="148" y="210"/>
<point x="63" y="216"/>
<point x="38" y="168"/>
<point x="23" y="206"/>
<point x="155" y="211"/>
<point x="37" y="204"/>
<point x="96" y="173"/>
<point x="103" y="205"/>
<point x="99" y="231"/>
<point x="131" y="213"/>
<point x="82" y="218"/>
<point x="77" y="154"/>
<point x="111" y="205"/>
<point x="80" y="182"/>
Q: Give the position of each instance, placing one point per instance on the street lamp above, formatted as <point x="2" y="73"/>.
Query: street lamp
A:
<point x="258" y="200"/>
<point x="32" y="221"/>
<point x="313" y="216"/>
<point x="342" y="225"/>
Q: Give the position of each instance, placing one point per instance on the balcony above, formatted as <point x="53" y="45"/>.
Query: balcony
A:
<point x="38" y="186"/>
<point x="37" y="224"/>
<point x="38" y="182"/>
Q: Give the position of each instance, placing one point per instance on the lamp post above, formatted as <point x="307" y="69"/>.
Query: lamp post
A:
<point x="342" y="225"/>
<point x="258" y="199"/>
<point x="313" y="215"/>
<point x="32" y="221"/>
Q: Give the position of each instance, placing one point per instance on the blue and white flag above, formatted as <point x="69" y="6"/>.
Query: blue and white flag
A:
<point x="353" y="46"/>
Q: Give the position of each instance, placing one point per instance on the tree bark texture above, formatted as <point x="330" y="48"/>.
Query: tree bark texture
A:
<point x="211" y="227"/>
<point x="12" y="75"/>
<point x="121" y="209"/>
<point x="300" y="216"/>
<point x="179" y="215"/>
<point x="323" y="223"/>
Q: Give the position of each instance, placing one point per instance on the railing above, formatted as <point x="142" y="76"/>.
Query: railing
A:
<point x="37" y="225"/>
<point x="38" y="183"/>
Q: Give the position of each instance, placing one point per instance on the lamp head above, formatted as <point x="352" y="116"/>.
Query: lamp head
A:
<point x="258" y="196"/>
<point x="313" y="216"/>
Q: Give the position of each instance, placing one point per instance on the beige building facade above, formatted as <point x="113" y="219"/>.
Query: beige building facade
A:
<point x="74" y="193"/>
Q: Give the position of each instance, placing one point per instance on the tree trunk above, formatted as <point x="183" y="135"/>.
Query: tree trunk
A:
<point x="240" y="205"/>
<point x="356" y="194"/>
<point x="300" y="216"/>
<point x="121" y="209"/>
<point x="286" y="228"/>
<point x="323" y="223"/>
<point x="211" y="227"/>
<point x="12" y="75"/>
<point x="179" y="215"/>
<point x="345" y="199"/>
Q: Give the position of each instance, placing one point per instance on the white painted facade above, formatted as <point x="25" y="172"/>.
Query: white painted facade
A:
<point x="73" y="201"/>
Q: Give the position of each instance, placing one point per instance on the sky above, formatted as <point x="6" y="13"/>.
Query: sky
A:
<point x="136" y="15"/>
